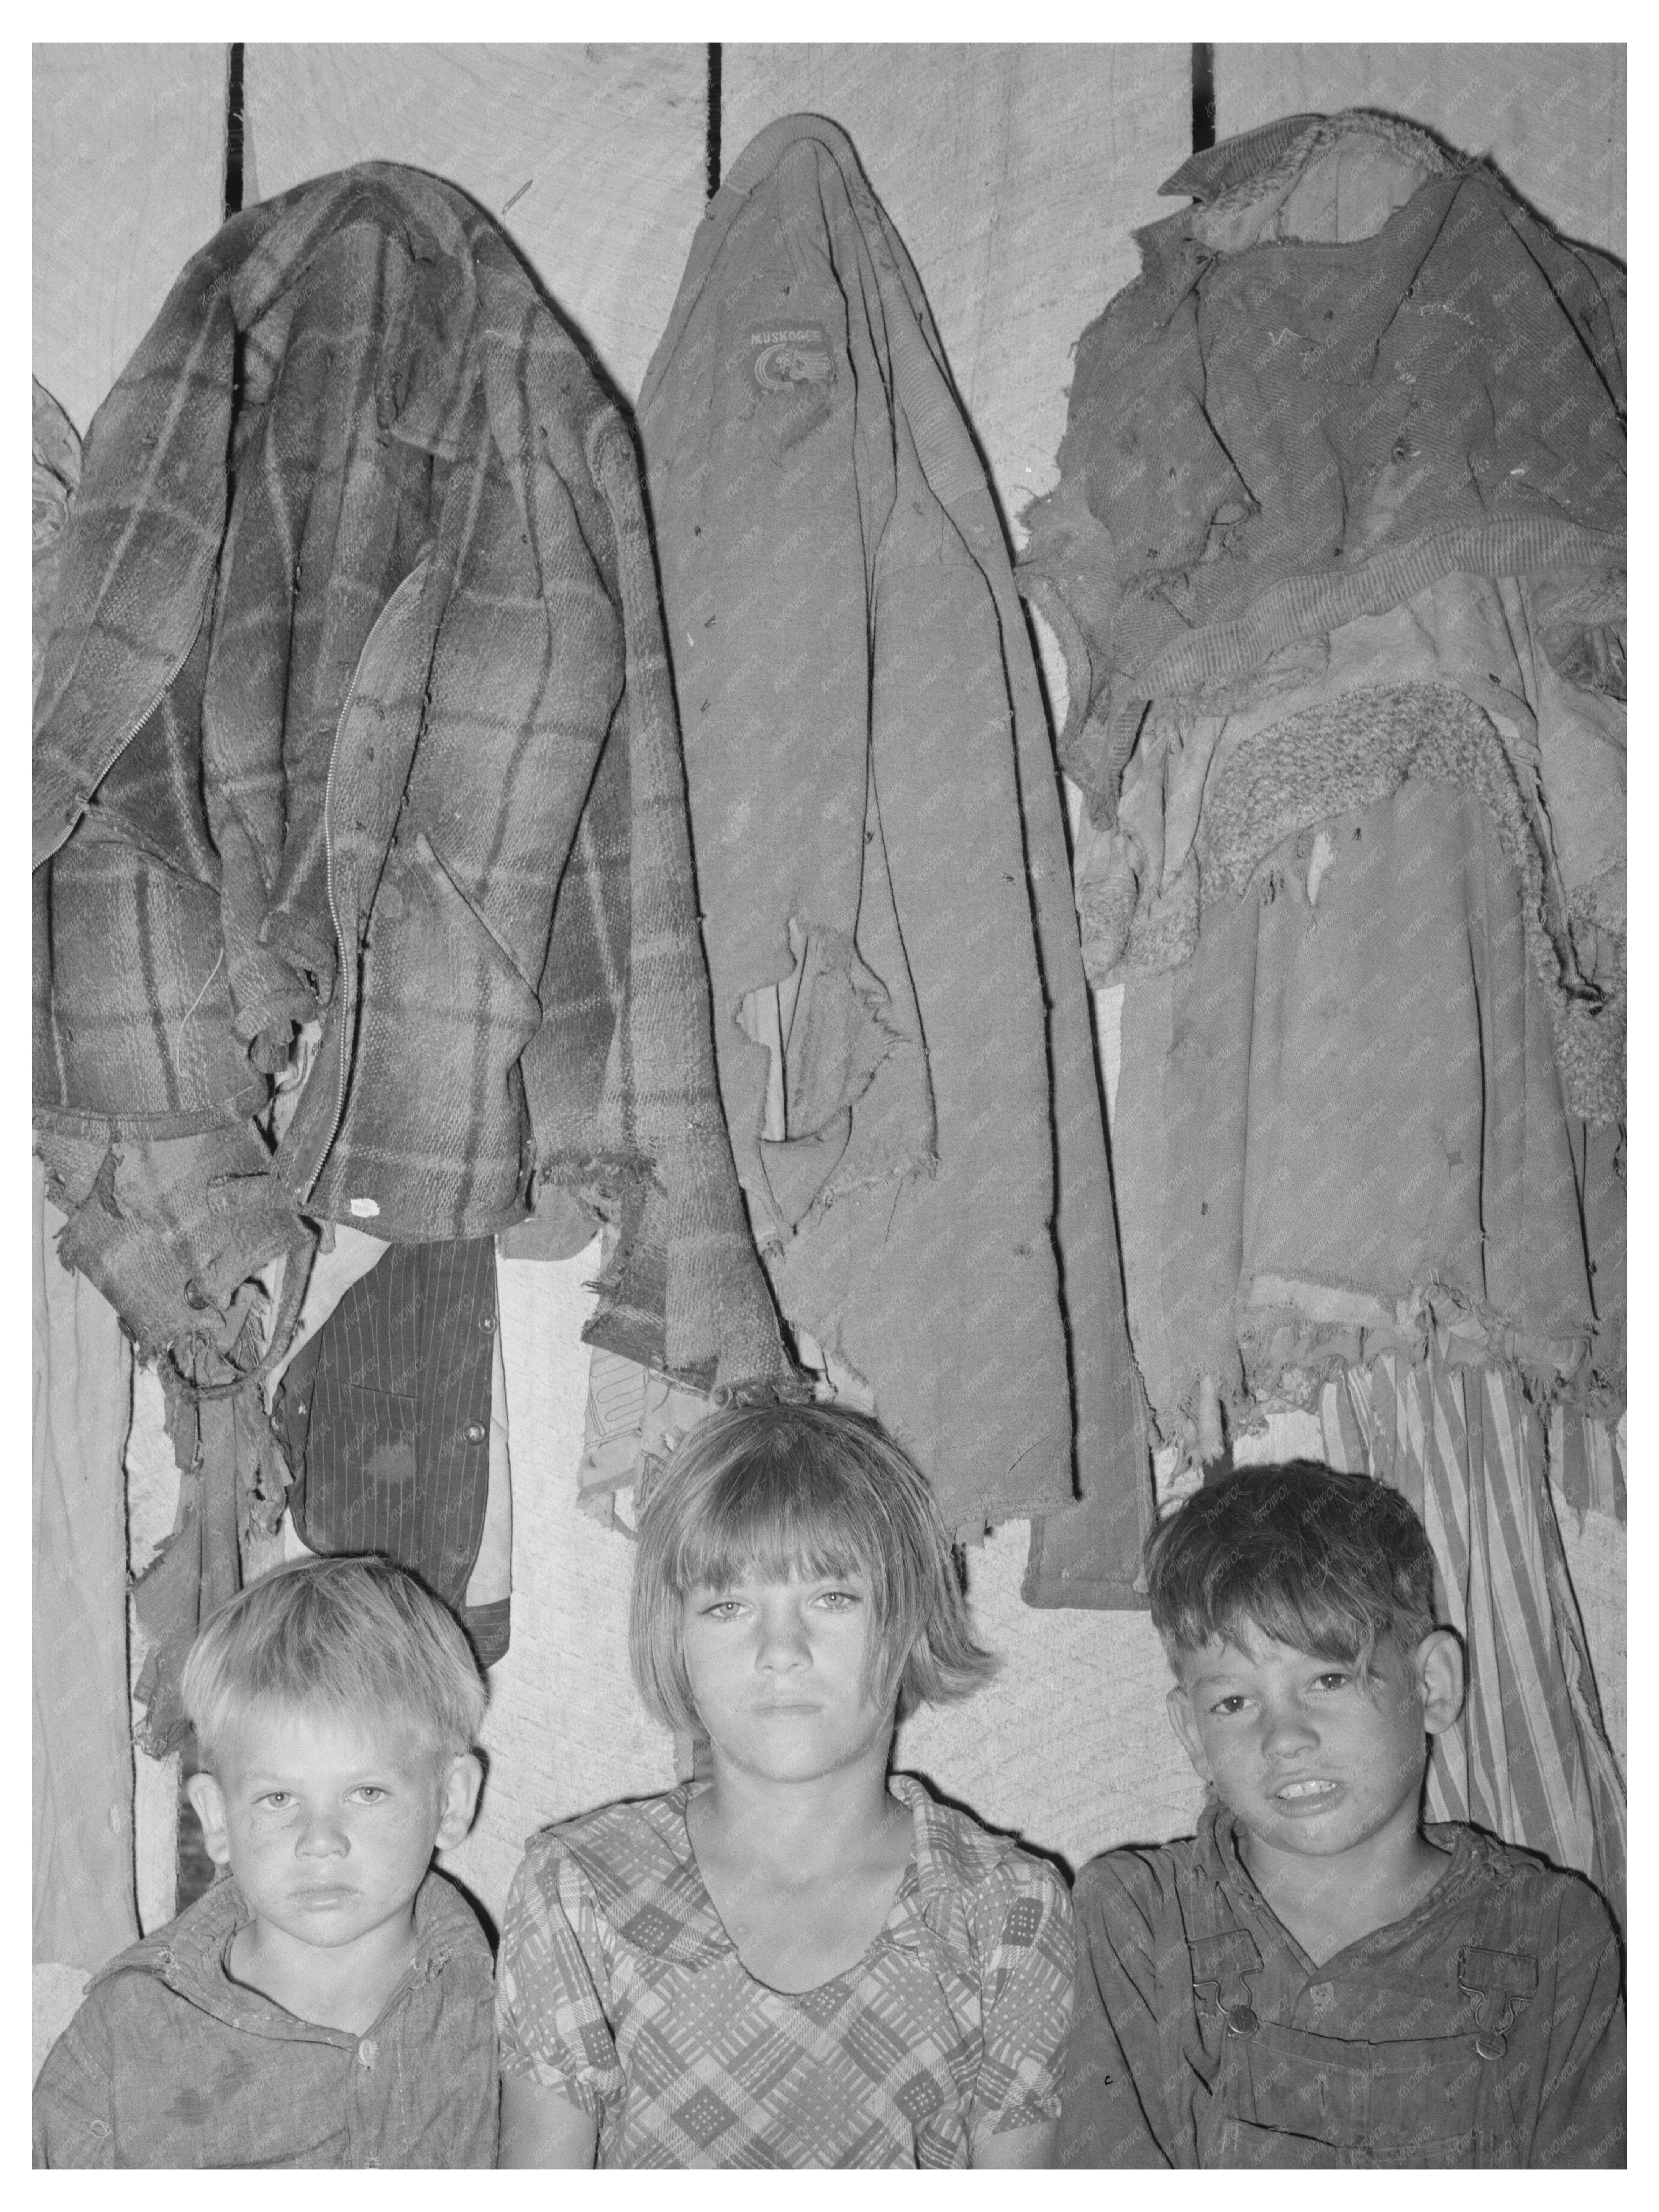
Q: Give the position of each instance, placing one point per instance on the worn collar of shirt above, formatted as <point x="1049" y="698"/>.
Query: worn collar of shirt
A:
<point x="191" y="1955"/>
<point x="1469" y="1864"/>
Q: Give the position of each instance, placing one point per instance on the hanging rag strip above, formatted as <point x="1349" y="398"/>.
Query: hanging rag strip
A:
<point x="354" y="722"/>
<point x="881" y="860"/>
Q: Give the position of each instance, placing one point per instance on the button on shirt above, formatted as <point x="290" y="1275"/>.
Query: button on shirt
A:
<point x="621" y="1990"/>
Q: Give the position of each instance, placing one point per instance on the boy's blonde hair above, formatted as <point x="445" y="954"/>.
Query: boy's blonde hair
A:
<point x="787" y="1491"/>
<point x="348" y="1636"/>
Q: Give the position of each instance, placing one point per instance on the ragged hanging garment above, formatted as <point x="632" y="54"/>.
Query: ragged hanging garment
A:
<point x="1355" y="364"/>
<point x="354" y="717"/>
<point x="355" y="663"/>
<point x="900" y="1019"/>
<point x="1292" y="627"/>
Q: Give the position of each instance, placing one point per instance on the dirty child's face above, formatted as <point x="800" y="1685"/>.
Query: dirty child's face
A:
<point x="329" y="1822"/>
<point x="1310" y="1757"/>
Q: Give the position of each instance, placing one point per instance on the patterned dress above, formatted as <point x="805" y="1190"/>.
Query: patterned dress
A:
<point x="621" y="1990"/>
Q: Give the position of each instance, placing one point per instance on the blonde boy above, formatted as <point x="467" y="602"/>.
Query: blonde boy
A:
<point x="329" y="2002"/>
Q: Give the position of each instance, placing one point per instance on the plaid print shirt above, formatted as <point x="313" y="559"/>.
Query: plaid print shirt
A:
<point x="620" y="1989"/>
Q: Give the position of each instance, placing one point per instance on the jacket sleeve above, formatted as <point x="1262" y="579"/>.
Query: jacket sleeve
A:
<point x="1581" y="2091"/>
<point x="1114" y="2107"/>
<point x="73" y="2115"/>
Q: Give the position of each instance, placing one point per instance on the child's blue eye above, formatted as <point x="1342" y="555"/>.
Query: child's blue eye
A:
<point x="838" y="1601"/>
<point x="722" y="1609"/>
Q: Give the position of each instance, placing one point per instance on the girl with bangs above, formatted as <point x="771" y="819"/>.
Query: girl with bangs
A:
<point x="795" y="1959"/>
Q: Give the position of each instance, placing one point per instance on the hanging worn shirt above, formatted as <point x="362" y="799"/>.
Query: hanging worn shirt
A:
<point x="1485" y="2029"/>
<point x="621" y="1992"/>
<point x="880" y="856"/>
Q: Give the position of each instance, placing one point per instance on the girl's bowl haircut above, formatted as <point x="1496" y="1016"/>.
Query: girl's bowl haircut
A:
<point x="787" y="1491"/>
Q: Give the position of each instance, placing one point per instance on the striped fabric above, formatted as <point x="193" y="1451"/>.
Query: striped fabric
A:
<point x="386" y="1415"/>
<point x="1530" y="1758"/>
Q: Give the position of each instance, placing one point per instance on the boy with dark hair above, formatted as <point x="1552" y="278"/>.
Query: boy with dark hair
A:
<point x="1316" y="1979"/>
<point x="330" y="2004"/>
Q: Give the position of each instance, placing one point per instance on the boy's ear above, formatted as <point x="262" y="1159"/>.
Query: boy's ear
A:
<point x="1439" y="1666"/>
<point x="1184" y="1721"/>
<point x="209" y="1802"/>
<point x="459" y="1799"/>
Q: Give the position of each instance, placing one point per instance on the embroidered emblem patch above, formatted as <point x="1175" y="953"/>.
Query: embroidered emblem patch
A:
<point x="784" y="357"/>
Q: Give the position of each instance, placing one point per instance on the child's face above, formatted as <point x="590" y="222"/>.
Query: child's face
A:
<point x="777" y="1673"/>
<point x="329" y="1823"/>
<point x="1312" y="1760"/>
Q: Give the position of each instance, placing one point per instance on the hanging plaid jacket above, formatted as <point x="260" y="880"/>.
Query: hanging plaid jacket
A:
<point x="355" y="709"/>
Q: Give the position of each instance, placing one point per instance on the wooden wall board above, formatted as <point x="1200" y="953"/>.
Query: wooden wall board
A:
<point x="592" y="156"/>
<point x="128" y="182"/>
<point x="1015" y="175"/>
<point x="1551" y="117"/>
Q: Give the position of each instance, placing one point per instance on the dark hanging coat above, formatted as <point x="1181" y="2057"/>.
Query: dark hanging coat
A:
<point x="877" y="832"/>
